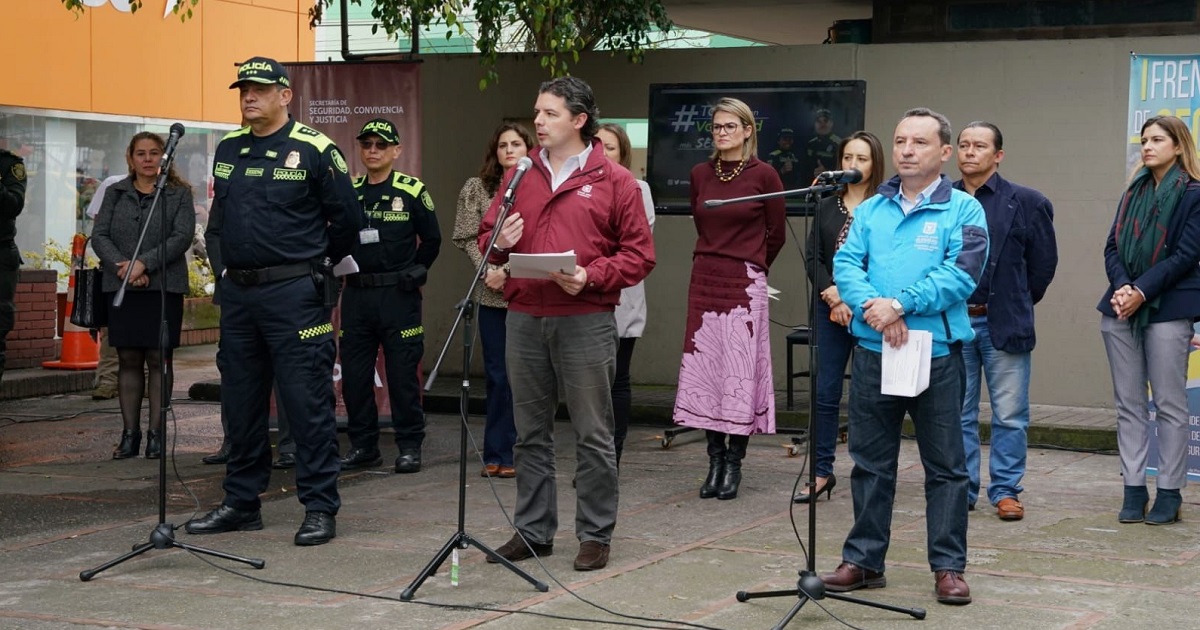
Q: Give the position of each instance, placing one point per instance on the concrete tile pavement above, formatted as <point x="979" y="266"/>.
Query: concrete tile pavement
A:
<point x="65" y="506"/>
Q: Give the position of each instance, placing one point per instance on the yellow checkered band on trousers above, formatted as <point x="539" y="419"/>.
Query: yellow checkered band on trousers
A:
<point x="412" y="332"/>
<point x="316" y="331"/>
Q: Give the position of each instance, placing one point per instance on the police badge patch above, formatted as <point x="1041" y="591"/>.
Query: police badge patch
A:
<point x="293" y="160"/>
<point x="397" y="204"/>
<point x="427" y="200"/>
<point x="18" y="171"/>
<point x="339" y="161"/>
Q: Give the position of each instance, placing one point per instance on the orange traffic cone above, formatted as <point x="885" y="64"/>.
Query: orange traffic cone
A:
<point x="79" y="350"/>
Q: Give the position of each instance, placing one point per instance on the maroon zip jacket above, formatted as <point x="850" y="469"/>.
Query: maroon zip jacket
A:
<point x="597" y="212"/>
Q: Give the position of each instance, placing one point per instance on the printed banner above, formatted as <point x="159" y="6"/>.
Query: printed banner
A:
<point x="337" y="99"/>
<point x="1168" y="85"/>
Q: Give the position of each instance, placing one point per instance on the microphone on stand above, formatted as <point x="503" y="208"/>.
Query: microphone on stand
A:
<point x="523" y="166"/>
<point x="172" y="140"/>
<point x="848" y="176"/>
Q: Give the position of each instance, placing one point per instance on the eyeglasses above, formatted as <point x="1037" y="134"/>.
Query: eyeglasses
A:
<point x="727" y="128"/>
<point x="378" y="144"/>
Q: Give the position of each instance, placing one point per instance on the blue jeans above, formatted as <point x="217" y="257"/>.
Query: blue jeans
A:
<point x="499" y="432"/>
<point x="834" y="346"/>
<point x="875" y="423"/>
<point x="1007" y="377"/>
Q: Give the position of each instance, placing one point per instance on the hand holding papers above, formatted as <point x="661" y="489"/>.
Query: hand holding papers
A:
<point x="345" y="266"/>
<point x="539" y="266"/>
<point x="905" y="370"/>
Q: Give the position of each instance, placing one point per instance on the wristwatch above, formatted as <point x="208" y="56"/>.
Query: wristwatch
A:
<point x="898" y="307"/>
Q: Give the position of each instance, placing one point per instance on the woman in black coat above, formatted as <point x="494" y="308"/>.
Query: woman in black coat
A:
<point x="133" y="328"/>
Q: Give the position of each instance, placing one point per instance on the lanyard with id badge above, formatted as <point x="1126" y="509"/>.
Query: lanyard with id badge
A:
<point x="369" y="234"/>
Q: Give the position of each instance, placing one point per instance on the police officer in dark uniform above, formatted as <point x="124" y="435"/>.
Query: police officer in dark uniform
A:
<point x="820" y="153"/>
<point x="382" y="305"/>
<point x="12" y="201"/>
<point x="283" y="207"/>
<point x="785" y="161"/>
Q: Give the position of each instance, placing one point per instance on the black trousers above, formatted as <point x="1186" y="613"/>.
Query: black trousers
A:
<point x="390" y="318"/>
<point x="278" y="332"/>
<point x="10" y="263"/>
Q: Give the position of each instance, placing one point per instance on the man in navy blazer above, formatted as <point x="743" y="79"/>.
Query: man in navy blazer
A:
<point x="1020" y="266"/>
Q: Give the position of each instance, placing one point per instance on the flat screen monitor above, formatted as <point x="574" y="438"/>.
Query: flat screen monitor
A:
<point x="800" y="124"/>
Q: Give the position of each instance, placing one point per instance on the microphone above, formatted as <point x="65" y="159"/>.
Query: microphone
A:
<point x="172" y="140"/>
<point x="523" y="166"/>
<point x="849" y="176"/>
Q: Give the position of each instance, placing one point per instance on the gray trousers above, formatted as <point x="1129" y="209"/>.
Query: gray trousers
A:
<point x="578" y="352"/>
<point x="1160" y="358"/>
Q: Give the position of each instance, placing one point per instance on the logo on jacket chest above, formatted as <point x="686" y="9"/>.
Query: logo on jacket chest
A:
<point x="585" y="191"/>
<point x="928" y="240"/>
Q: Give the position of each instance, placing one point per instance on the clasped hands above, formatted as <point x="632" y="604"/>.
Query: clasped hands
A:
<point x="511" y="231"/>
<point x="1126" y="301"/>
<point x="137" y="273"/>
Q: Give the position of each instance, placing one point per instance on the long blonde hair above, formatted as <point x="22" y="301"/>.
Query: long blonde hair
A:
<point x="1178" y="132"/>
<point x="743" y="113"/>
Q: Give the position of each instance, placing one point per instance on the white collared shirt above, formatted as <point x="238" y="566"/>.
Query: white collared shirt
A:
<point x="908" y="206"/>
<point x="573" y="163"/>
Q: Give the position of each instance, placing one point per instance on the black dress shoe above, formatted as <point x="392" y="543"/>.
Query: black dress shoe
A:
<point x="220" y="457"/>
<point x="225" y="519"/>
<point x="285" y="460"/>
<point x="409" y="461"/>
<point x="361" y="458"/>
<point x="318" y="528"/>
<point x="515" y="550"/>
<point x="130" y="442"/>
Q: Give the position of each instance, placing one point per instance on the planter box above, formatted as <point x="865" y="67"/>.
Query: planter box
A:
<point x="32" y="338"/>
<point x="201" y="322"/>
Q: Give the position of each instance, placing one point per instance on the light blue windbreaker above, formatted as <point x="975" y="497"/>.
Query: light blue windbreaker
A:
<point x="930" y="260"/>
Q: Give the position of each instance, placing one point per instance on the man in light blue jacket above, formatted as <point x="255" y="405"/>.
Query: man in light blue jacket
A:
<point x="914" y="254"/>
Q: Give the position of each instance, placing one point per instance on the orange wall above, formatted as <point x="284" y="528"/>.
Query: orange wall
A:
<point x="144" y="64"/>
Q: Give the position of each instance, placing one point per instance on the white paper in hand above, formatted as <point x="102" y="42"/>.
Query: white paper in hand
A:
<point x="539" y="266"/>
<point x="905" y="370"/>
<point x="345" y="266"/>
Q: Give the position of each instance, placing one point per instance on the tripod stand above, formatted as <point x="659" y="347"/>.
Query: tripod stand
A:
<point x="810" y="586"/>
<point x="163" y="536"/>
<point x="460" y="539"/>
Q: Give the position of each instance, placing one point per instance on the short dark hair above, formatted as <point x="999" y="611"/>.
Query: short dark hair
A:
<point x="997" y="137"/>
<point x="578" y="96"/>
<point x="944" y="131"/>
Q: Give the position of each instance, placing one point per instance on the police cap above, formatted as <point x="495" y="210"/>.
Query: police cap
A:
<point x="786" y="132"/>
<point x="381" y="127"/>
<point x="261" y="70"/>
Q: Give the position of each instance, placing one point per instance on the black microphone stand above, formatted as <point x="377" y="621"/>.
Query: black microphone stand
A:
<point x="163" y="536"/>
<point x="810" y="586"/>
<point x="460" y="539"/>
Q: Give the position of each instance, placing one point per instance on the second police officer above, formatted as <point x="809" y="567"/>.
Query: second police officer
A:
<point x="283" y="207"/>
<point x="397" y="244"/>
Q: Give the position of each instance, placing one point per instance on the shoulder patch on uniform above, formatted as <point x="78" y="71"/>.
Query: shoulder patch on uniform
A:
<point x="236" y="133"/>
<point x="308" y="135"/>
<point x="427" y="200"/>
<point x="18" y="171"/>
<point x="338" y="160"/>
<point x="359" y="181"/>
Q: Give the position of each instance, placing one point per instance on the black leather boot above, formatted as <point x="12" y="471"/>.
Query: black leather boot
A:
<point x="131" y="441"/>
<point x="716" y="464"/>
<point x="732" y="476"/>
<point x="153" y="444"/>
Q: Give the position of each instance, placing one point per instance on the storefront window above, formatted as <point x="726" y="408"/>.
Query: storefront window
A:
<point x="68" y="154"/>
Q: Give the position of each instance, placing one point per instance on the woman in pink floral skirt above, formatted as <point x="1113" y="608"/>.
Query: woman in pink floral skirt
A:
<point x="725" y="383"/>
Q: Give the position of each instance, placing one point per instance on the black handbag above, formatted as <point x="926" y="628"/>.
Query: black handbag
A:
<point x="89" y="309"/>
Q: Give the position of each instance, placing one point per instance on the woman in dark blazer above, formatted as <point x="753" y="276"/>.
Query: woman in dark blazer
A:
<point x="861" y="151"/>
<point x="1152" y="299"/>
<point x="134" y="327"/>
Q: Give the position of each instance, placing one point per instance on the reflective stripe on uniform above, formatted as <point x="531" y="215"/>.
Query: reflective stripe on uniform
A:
<point x="316" y="331"/>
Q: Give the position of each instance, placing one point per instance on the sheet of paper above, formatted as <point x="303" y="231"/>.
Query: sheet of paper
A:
<point x="345" y="266"/>
<point x="773" y="293"/>
<point x="905" y="370"/>
<point x="539" y="266"/>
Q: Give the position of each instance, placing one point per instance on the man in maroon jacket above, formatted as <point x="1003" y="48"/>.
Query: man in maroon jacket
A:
<point x="561" y="328"/>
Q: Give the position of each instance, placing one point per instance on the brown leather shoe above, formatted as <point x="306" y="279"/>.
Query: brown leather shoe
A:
<point x="849" y="577"/>
<point x="951" y="588"/>
<point x="490" y="470"/>
<point x="592" y="555"/>
<point x="507" y="472"/>
<point x="1010" y="509"/>
<point x="515" y="550"/>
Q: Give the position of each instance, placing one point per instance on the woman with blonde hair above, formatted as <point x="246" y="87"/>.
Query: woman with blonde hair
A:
<point x="725" y="381"/>
<point x="1152" y="299"/>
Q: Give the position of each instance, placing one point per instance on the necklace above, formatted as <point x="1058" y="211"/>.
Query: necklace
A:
<point x="737" y="171"/>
